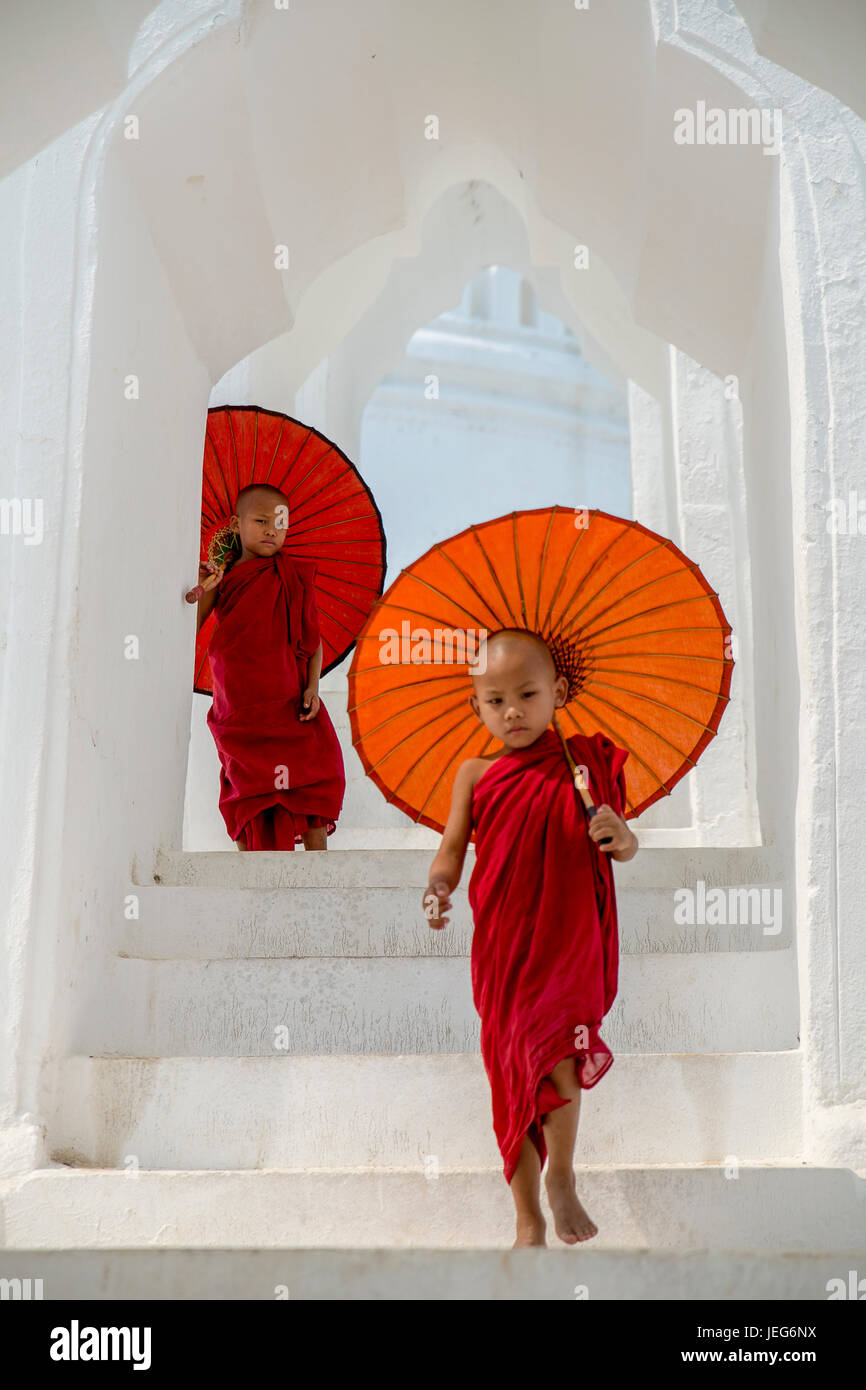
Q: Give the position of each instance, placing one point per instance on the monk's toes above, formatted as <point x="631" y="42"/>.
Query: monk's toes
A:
<point x="571" y="1220"/>
<point x="574" y="1231"/>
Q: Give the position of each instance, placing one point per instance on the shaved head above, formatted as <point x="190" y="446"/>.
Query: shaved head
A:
<point x="516" y="643"/>
<point x="255" y="494"/>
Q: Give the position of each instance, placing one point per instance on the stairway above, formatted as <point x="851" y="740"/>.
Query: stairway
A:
<point x="287" y="1072"/>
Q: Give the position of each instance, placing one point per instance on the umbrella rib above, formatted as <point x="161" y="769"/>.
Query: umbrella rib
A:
<point x="628" y="801"/>
<point x="670" y="680"/>
<point x="337" y="499"/>
<point x="666" y="656"/>
<point x="435" y="787"/>
<point x="563" y="573"/>
<point x="659" y="608"/>
<point x="321" y="584"/>
<point x="517" y="568"/>
<point x="298" y="452"/>
<point x="659" y="579"/>
<point x="469" y="582"/>
<point x="343" y="521"/>
<point x="397" y="616"/>
<point x="439" y="594"/>
<point x="320" y="460"/>
<point x="401" y="713"/>
<point x="623" y="743"/>
<point x="633" y="718"/>
<point x="335" y="574"/>
<point x="276" y="449"/>
<point x="221" y="473"/>
<point x="412" y="734"/>
<point x="341" y="481"/>
<point x="554" y="512"/>
<point x="326" y="619"/>
<point x="614" y="577"/>
<point x="342" y="601"/>
<point x="391" y="690"/>
<point x="680" y="714"/>
<point x="235" y="449"/>
<point x="346" y="603"/>
<point x="494" y="576"/>
<point x="347" y="476"/>
<point x="596" y="562"/>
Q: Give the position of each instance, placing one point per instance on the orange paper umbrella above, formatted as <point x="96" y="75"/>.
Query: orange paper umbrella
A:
<point x="630" y="621"/>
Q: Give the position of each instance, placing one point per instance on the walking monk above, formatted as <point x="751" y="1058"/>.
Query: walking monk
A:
<point x="545" y="948"/>
<point x="281" y="778"/>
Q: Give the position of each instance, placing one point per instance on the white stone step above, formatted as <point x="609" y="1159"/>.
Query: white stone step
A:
<point x="686" y="1002"/>
<point x="762" y="1209"/>
<point x="368" y="902"/>
<point x="362" y="1111"/>
<point x="664" y="866"/>
<point x="551" y="1275"/>
<point x="226" y="923"/>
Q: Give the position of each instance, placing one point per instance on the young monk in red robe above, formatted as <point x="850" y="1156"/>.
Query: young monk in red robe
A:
<point x="545" y="948"/>
<point x="281" y="777"/>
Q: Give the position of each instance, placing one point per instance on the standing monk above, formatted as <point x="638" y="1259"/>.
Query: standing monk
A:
<point x="545" y="947"/>
<point x="281" y="778"/>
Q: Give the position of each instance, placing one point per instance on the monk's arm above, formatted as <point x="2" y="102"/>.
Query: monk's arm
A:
<point x="447" y="867"/>
<point x="448" y="864"/>
<point x="314" y="669"/>
<point x="622" y="855"/>
<point x="205" y="604"/>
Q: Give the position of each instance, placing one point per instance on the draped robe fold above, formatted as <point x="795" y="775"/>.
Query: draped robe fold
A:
<point x="545" y="946"/>
<point x="278" y="776"/>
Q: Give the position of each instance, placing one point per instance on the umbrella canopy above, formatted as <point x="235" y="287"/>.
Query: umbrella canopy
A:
<point x="333" y="518"/>
<point x="630" y="621"/>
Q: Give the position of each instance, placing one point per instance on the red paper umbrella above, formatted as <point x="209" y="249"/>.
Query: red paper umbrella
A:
<point x="333" y="518"/>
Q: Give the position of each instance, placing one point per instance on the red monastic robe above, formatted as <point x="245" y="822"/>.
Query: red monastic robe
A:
<point x="266" y="630"/>
<point x="545" y="947"/>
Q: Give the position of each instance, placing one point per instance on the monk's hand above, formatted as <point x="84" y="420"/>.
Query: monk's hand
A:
<point x="309" y="703"/>
<point x="210" y="574"/>
<point x="606" y="823"/>
<point x="437" y="900"/>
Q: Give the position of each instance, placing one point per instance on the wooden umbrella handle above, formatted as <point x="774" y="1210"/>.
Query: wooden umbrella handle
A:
<point x="579" y="782"/>
<point x="195" y="594"/>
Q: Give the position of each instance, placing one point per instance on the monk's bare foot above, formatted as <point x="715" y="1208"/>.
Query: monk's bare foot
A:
<point x="530" y="1231"/>
<point x="571" y="1221"/>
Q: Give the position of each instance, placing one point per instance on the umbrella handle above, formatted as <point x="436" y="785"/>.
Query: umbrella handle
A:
<point x="580" y="784"/>
<point x="593" y="811"/>
<point x="195" y="594"/>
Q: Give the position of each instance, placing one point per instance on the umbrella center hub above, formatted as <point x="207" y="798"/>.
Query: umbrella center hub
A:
<point x="569" y="660"/>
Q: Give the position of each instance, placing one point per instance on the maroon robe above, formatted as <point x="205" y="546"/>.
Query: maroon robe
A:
<point x="545" y="947"/>
<point x="266" y="630"/>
